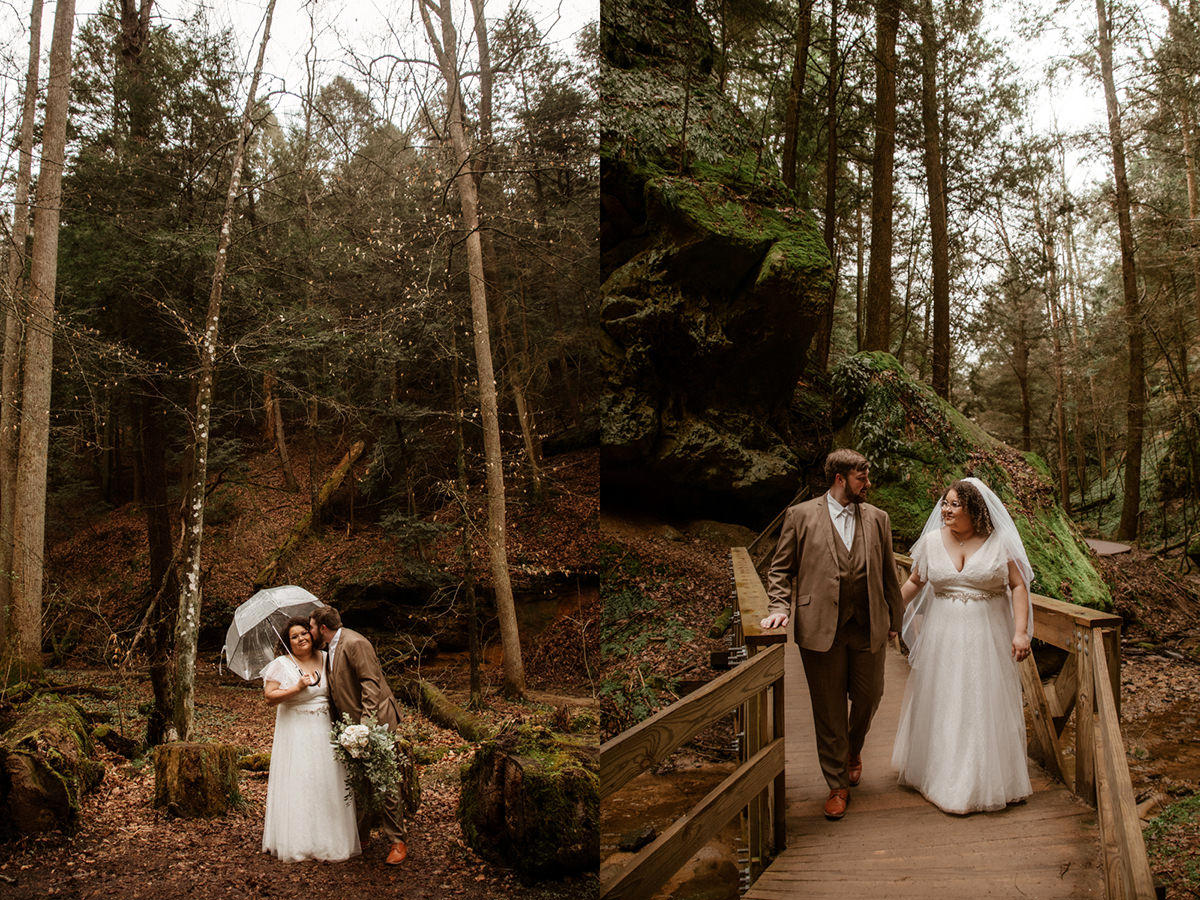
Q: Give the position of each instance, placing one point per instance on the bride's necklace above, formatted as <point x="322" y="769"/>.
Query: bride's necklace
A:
<point x="962" y="542"/>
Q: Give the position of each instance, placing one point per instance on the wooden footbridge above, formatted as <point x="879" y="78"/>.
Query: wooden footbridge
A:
<point x="1078" y="835"/>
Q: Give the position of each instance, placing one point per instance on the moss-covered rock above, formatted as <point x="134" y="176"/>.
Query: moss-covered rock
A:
<point x="255" y="762"/>
<point x="918" y="444"/>
<point x="194" y="780"/>
<point x="530" y="799"/>
<point x="715" y="280"/>
<point x="47" y="764"/>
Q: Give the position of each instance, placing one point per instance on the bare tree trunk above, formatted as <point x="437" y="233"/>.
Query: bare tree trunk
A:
<point x="187" y="625"/>
<point x="1053" y="309"/>
<point x="14" y="326"/>
<point x="517" y="361"/>
<point x="29" y="521"/>
<point x="1193" y="200"/>
<point x="824" y="335"/>
<point x="273" y="429"/>
<point x="935" y="178"/>
<point x="1021" y="368"/>
<point x="879" y="273"/>
<point x="446" y="51"/>
<point x="1136" y="403"/>
<point x="859" y="316"/>
<point x="164" y="583"/>
<point x="473" y="650"/>
<point x="791" y="119"/>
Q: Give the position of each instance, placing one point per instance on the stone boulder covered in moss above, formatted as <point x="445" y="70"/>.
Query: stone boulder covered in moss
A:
<point x="917" y="444"/>
<point x="531" y="800"/>
<point x="715" y="281"/>
<point x="47" y="767"/>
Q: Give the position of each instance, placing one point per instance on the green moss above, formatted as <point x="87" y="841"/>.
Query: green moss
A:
<point x="1173" y="843"/>
<point x="1037" y="463"/>
<point x="255" y="762"/>
<point x="788" y="239"/>
<point x="918" y="444"/>
<point x="49" y="741"/>
<point x="531" y="798"/>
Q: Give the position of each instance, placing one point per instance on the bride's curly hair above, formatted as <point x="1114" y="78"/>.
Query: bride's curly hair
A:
<point x="285" y="636"/>
<point x="972" y="501"/>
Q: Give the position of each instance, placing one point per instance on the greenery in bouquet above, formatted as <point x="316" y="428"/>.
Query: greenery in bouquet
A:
<point x="372" y="763"/>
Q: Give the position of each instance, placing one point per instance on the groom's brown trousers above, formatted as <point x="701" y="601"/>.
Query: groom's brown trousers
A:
<point x="847" y="669"/>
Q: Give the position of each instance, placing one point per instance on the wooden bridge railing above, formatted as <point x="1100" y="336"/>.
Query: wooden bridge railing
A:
<point x="650" y="742"/>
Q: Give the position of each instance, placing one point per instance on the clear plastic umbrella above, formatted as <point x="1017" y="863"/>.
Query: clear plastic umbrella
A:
<point x="255" y="635"/>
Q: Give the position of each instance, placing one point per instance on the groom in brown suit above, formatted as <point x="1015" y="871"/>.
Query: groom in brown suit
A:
<point x="358" y="688"/>
<point x="834" y="566"/>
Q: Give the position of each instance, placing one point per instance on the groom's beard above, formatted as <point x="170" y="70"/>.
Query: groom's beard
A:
<point x="860" y="497"/>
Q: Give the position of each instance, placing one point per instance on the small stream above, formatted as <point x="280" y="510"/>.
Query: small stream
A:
<point x="657" y="801"/>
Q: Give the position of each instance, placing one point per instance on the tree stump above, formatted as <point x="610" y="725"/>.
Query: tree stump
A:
<point x="530" y="799"/>
<point x="47" y="767"/>
<point x="193" y="780"/>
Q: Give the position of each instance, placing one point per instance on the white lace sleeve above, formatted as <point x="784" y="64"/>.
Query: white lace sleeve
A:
<point x="279" y="670"/>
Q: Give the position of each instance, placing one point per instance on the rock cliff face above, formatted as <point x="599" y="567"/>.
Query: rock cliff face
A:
<point x="715" y="282"/>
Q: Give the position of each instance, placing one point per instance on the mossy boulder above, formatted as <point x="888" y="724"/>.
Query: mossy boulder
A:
<point x="47" y="766"/>
<point x="196" y="780"/>
<point x="531" y="800"/>
<point x="716" y="281"/>
<point x="917" y="444"/>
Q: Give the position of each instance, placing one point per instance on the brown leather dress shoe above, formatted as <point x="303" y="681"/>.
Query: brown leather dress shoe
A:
<point x="397" y="854"/>
<point x="854" y="770"/>
<point x="835" y="806"/>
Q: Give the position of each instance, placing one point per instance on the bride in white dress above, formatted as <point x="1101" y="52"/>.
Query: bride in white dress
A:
<point x="308" y="814"/>
<point x="961" y="739"/>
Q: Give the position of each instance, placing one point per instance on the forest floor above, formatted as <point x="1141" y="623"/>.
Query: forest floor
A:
<point x="97" y="571"/>
<point x="663" y="584"/>
<point x="125" y="848"/>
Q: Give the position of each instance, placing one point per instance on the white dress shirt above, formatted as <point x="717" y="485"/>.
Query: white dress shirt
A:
<point x="333" y="648"/>
<point x="843" y="520"/>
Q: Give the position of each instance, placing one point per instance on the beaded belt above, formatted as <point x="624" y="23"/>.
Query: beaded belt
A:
<point x="312" y="709"/>
<point x="968" y="594"/>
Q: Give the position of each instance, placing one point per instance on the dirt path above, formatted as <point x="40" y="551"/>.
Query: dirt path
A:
<point x="123" y="848"/>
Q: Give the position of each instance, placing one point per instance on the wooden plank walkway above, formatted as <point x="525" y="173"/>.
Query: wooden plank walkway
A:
<point x="893" y="843"/>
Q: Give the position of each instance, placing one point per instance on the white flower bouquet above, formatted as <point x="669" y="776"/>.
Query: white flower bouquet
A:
<point x="368" y="750"/>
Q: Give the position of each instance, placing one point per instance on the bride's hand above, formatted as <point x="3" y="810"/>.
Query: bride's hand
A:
<point x="1020" y="646"/>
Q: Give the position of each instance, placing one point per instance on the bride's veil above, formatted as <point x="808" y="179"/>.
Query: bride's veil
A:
<point x="1005" y="532"/>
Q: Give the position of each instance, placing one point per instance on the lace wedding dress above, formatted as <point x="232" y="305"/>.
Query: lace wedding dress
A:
<point x="308" y="814"/>
<point x="961" y="739"/>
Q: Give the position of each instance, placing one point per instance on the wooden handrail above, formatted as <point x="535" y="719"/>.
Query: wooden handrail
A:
<point x="651" y="741"/>
<point x="1120" y="827"/>
<point x="651" y="868"/>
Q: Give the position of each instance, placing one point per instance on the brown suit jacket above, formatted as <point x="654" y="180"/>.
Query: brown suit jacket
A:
<point x="356" y="682"/>
<point x="803" y="578"/>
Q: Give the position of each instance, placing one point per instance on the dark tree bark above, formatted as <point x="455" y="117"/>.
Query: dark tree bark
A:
<point x="791" y="119"/>
<point x="935" y="179"/>
<point x="824" y="335"/>
<point x="1135" y="408"/>
<point x="879" y="274"/>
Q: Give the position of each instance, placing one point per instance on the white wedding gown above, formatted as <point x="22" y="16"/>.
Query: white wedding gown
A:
<point x="961" y="739"/>
<point x="308" y="814"/>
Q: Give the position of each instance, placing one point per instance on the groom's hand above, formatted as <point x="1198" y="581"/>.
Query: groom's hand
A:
<point x="775" y="620"/>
